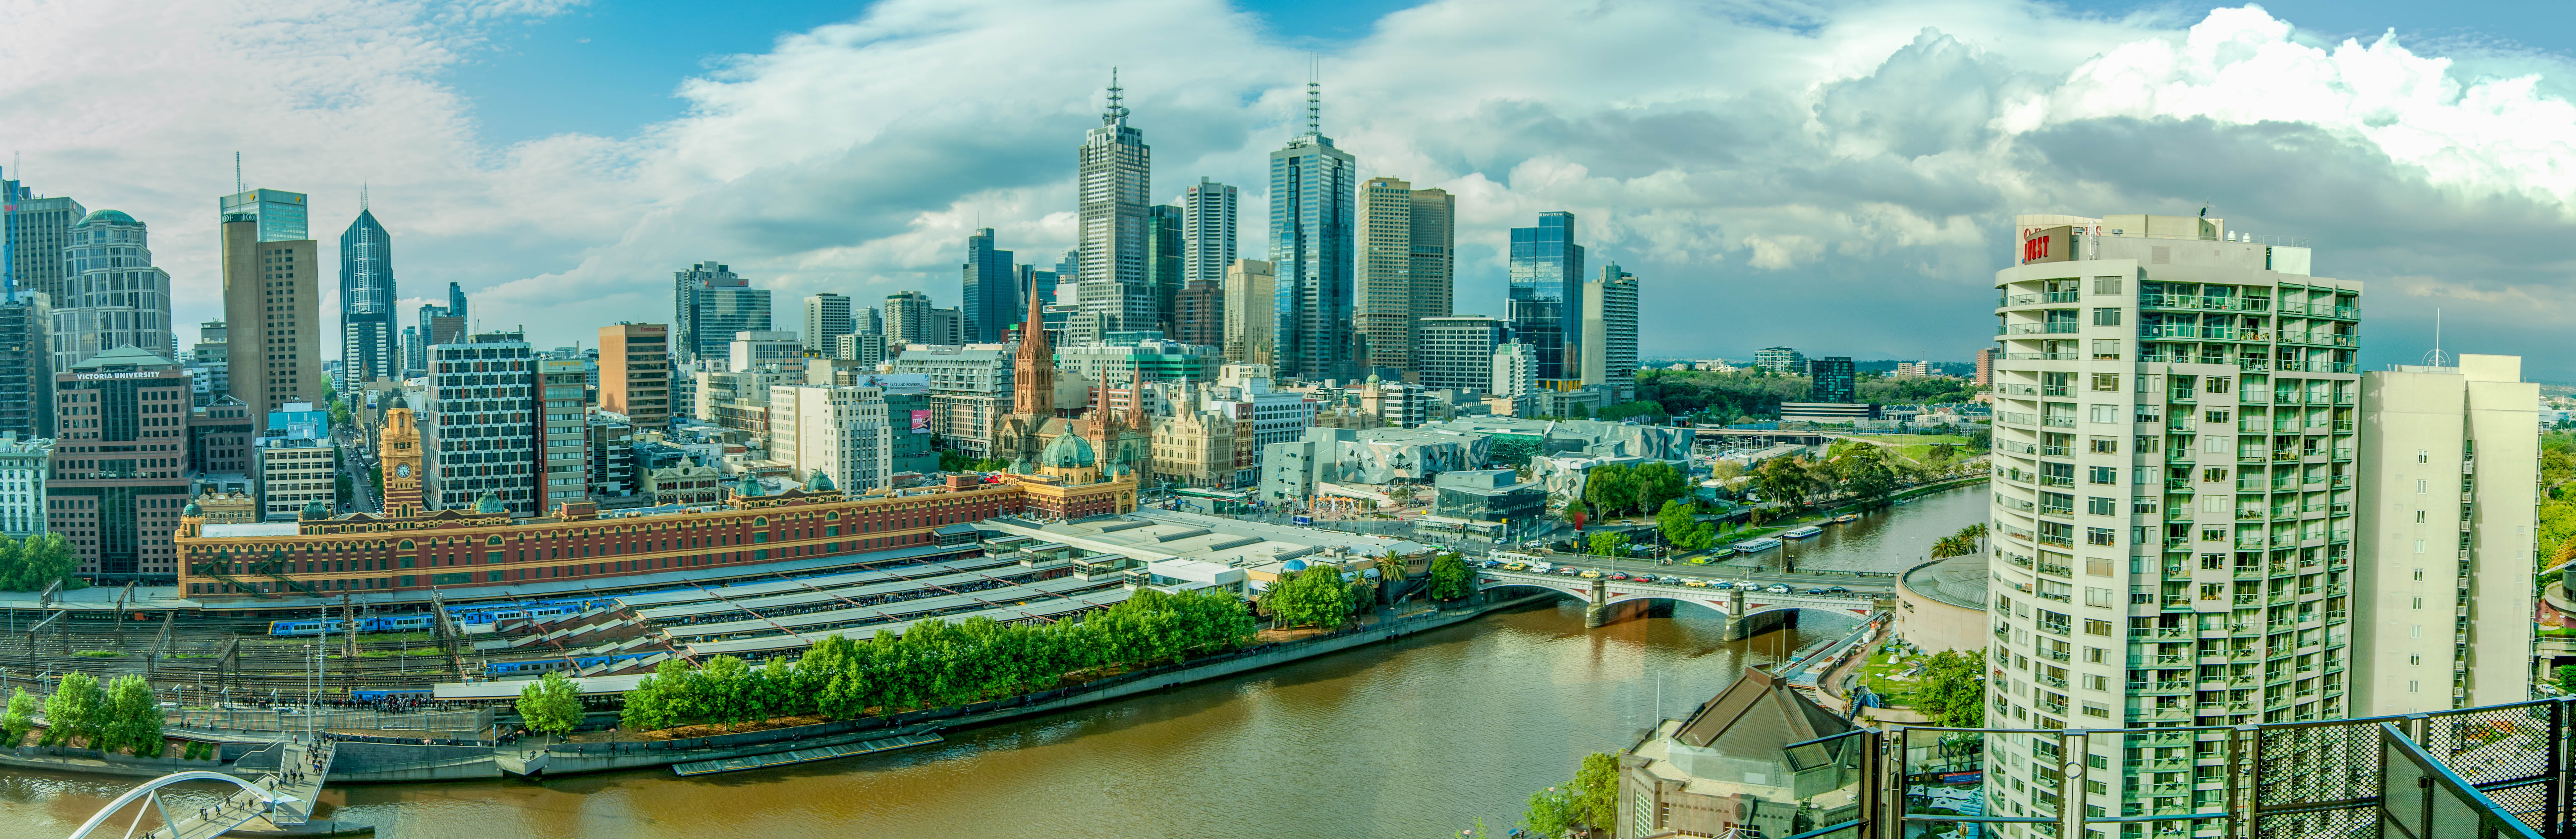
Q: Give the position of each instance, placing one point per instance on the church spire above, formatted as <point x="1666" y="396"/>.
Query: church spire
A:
<point x="1033" y="374"/>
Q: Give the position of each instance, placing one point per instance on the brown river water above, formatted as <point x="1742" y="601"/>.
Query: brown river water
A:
<point x="1414" y="738"/>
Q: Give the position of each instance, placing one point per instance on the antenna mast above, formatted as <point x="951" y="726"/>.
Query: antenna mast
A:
<point x="2437" y="358"/>
<point x="1314" y="94"/>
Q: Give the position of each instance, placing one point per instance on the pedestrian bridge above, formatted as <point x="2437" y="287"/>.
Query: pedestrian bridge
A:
<point x="1747" y="612"/>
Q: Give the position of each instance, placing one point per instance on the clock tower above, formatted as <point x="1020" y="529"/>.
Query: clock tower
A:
<point x="400" y="459"/>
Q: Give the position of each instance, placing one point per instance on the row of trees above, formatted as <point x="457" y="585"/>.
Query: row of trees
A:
<point x="1969" y="540"/>
<point x="1614" y="489"/>
<point x="124" y="716"/>
<point x="37" y="562"/>
<point x="1317" y="597"/>
<point x="936" y="664"/>
<point x="1851" y="468"/>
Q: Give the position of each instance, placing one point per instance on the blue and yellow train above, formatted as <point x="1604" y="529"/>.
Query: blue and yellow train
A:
<point x="527" y="609"/>
<point x="540" y="667"/>
<point x="333" y="626"/>
<point x="397" y="693"/>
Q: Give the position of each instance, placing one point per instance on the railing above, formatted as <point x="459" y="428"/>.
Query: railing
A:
<point x="2057" y="328"/>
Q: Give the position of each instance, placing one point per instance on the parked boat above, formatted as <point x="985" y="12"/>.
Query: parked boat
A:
<point x="1802" y="533"/>
<point x="1847" y="518"/>
<point x="1757" y="545"/>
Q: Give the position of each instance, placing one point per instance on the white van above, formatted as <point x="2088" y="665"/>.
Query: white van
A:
<point x="1541" y="567"/>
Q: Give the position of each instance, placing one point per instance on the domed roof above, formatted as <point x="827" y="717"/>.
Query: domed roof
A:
<point x="750" y="487"/>
<point x="821" y="482"/>
<point x="315" y="510"/>
<point x="489" y="504"/>
<point x="108" y="217"/>
<point x="192" y="510"/>
<point x="1068" y="451"/>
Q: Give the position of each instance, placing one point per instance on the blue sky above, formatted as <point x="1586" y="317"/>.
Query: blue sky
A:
<point x="1835" y="176"/>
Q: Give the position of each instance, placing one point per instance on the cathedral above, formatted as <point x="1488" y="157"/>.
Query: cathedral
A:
<point x="1101" y="445"/>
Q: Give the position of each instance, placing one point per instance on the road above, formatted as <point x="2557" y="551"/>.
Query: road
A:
<point x="1801" y="581"/>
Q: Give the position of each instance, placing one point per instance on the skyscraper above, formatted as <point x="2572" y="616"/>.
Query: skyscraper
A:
<point x="1547" y="275"/>
<point x="26" y="364"/>
<point x="907" y="319"/>
<point x="2172" y="518"/>
<point x="1610" y="332"/>
<point x="112" y="296"/>
<point x="992" y="298"/>
<point x="1251" y="312"/>
<point x="1207" y="231"/>
<point x="1113" y="186"/>
<point x="1312" y="211"/>
<point x="1198" y="314"/>
<point x="118" y="497"/>
<point x="272" y="302"/>
<point x="561" y="385"/>
<point x="710" y="303"/>
<point x="479" y="432"/>
<point x="367" y="294"/>
<point x="1457" y="352"/>
<point x="1830" y="379"/>
<point x="38" y="228"/>
<point x="1163" y="262"/>
<point x="827" y="316"/>
<point x="1403" y="269"/>
<point x="635" y="373"/>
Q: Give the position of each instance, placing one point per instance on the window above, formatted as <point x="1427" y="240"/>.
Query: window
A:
<point x="2150" y="443"/>
<point x="2097" y="627"/>
<point x="2217" y="444"/>
<point x="2151" y="413"/>
<point x="2415" y="631"/>
<point x="2109" y="382"/>
<point x="2092" y="655"/>
<point x="2419" y="487"/>
<point x="2101" y="536"/>
<point x="2213" y="475"/>
<point x="2423" y="456"/>
<point x="2092" y="710"/>
<point x="2216" y="384"/>
<point x="2100" y="506"/>
<point x="2106" y="414"/>
<point x="2106" y="285"/>
<point x="2097" y="566"/>
<point x="2214" y="416"/>
<point x="2106" y="349"/>
<point x="2106" y="475"/>
<point x="2419" y="574"/>
<point x="2414" y="659"/>
<point x="2419" y="603"/>
<point x="2106" y="317"/>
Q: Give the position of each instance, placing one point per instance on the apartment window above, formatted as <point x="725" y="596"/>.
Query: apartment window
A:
<point x="2097" y="566"/>
<point x="2414" y="659"/>
<point x="2152" y="413"/>
<point x="2217" y="444"/>
<point x="2092" y="710"/>
<point x="2100" y="506"/>
<point x="2412" y="685"/>
<point x="2106" y="285"/>
<point x="2423" y="456"/>
<point x="2101" y="536"/>
<point x="2109" y="382"/>
<point x="2419" y="574"/>
<point x="2106" y="414"/>
<point x="2213" y="475"/>
<point x="2142" y="506"/>
<point x="2092" y="655"/>
<point x="2415" y="631"/>
<point x="2419" y="546"/>
<point x="2150" y="443"/>
<point x="2214" y="416"/>
<point x="2419" y="603"/>
<point x="2105" y="475"/>
<point x="2097" y="627"/>
<point x="2106" y="349"/>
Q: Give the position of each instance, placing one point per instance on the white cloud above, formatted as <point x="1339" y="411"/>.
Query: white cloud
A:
<point x="1839" y="178"/>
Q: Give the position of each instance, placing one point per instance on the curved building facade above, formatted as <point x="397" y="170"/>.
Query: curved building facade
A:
<point x="112" y="296"/>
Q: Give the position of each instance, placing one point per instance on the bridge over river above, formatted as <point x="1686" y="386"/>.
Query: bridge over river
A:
<point x="1748" y="612"/>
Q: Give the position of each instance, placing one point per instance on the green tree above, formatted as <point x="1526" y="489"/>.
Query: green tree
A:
<point x="1954" y="689"/>
<point x="1596" y="790"/>
<point x="1682" y="529"/>
<point x="2566" y="681"/>
<point x="1450" y="579"/>
<point x="1315" y="597"/>
<point x="76" y="710"/>
<point x="1551" y="812"/>
<point x="133" y="717"/>
<point x="1785" y="480"/>
<point x="1655" y="482"/>
<point x="1609" y="489"/>
<point x="1863" y="472"/>
<point x="1607" y="544"/>
<point x="551" y="705"/>
<point x="658" y="701"/>
<point x="18" y="719"/>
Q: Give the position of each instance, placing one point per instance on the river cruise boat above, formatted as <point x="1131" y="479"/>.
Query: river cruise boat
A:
<point x="1802" y="533"/>
<point x="1757" y="545"/>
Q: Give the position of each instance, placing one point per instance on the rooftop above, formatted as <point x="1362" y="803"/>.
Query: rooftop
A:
<point x="1959" y="581"/>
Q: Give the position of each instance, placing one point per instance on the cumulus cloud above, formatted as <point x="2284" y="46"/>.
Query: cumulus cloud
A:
<point x="1837" y="178"/>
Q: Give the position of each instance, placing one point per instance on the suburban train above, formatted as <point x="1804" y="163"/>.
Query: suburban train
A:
<point x="363" y="695"/>
<point x="528" y="609"/>
<point x="332" y="626"/>
<point x="540" y="667"/>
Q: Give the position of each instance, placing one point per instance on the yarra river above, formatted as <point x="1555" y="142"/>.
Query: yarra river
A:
<point x="1415" y="738"/>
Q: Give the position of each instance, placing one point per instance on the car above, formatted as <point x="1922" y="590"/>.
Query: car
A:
<point x="1671" y="580"/>
<point x="1615" y="575"/>
<point x="1591" y="573"/>
<point x="1515" y="567"/>
<point x="1569" y="571"/>
<point x="1815" y="591"/>
<point x="1721" y="584"/>
<point x="1696" y="583"/>
<point x="1777" y="588"/>
<point x="1837" y="590"/>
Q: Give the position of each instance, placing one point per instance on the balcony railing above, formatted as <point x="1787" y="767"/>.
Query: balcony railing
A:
<point x="2057" y="328"/>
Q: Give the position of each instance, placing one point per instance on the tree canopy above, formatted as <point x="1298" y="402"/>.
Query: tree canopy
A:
<point x="1682" y="530"/>
<point x="1315" y="597"/>
<point x="1954" y="689"/>
<point x="1450" y="578"/>
<point x="551" y="704"/>
<point x="37" y="562"/>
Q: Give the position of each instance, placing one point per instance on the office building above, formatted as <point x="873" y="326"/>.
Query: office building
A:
<point x="272" y="301"/>
<point x="1312" y="214"/>
<point x="1198" y="314"/>
<point x="2441" y="595"/>
<point x="24" y="465"/>
<point x="1610" y="333"/>
<point x="754" y="350"/>
<point x="1113" y="186"/>
<point x="635" y="373"/>
<point x="26" y="365"/>
<point x="438" y="325"/>
<point x="2173" y="484"/>
<point x="943" y="326"/>
<point x="211" y="362"/>
<point x="221" y="437"/>
<point x="833" y="435"/>
<point x="1781" y="361"/>
<point x="613" y="480"/>
<point x="1404" y="269"/>
<point x="1139" y="360"/>
<point x="712" y="303"/>
<point x="112" y="296"/>
<point x="865" y="321"/>
<point x="1250" y="309"/>
<point x="368" y="346"/>
<point x="1457" y="353"/>
<point x="827" y="316"/>
<point x="1207" y="231"/>
<point x="565" y="443"/>
<point x="1245" y="391"/>
<point x="38" y="230"/>
<point x="1164" y="247"/>
<point x="907" y="319"/>
<point x="867" y="348"/>
<point x="1830" y="380"/>
<point x="1986" y="367"/>
<point x="1546" y="293"/>
<point x="479" y="429"/>
<point x="1515" y="367"/>
<point x="120" y="464"/>
<point x="740" y="400"/>
<point x="294" y="461"/>
<point x="992" y="293"/>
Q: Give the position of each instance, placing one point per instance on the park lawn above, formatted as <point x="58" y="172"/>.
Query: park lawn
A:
<point x="1880" y="675"/>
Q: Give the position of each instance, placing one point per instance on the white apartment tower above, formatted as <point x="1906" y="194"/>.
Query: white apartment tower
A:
<point x="567" y="430"/>
<point x="827" y="316"/>
<point x="2442" y="603"/>
<point x="2174" y="480"/>
<point x="1207" y="231"/>
<point x="836" y="430"/>
<point x="1610" y="333"/>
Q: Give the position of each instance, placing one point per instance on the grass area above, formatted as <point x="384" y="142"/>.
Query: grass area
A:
<point x="100" y="653"/>
<point x="192" y="655"/>
<point x="1882" y="671"/>
<point x="417" y="651"/>
<point x="1925" y="440"/>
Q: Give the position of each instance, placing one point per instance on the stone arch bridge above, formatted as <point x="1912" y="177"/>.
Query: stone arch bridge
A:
<point x="1747" y="612"/>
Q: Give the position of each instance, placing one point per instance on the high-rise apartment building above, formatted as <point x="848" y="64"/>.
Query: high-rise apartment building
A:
<point x="907" y="318"/>
<point x="1207" y="231"/>
<point x="1546" y="293"/>
<point x="992" y="293"/>
<point x="2173" y="486"/>
<point x="1312" y="213"/>
<point x="1781" y="361"/>
<point x="368" y="345"/>
<point x="564" y="397"/>
<point x="294" y="460"/>
<point x="120" y="464"/>
<point x="1515" y="368"/>
<point x="1986" y="367"/>
<point x="1831" y="380"/>
<point x="827" y="316"/>
<point x="710" y="304"/>
<point x="272" y="301"/>
<point x="1610" y="332"/>
<point x="841" y="431"/>
<point x="1113" y="185"/>
<point x="1405" y="267"/>
<point x="1164" y="247"/>
<point x="479" y="432"/>
<point x="1251" y="312"/>
<point x="1457" y="353"/>
<point x="2441" y="596"/>
<point x="635" y="373"/>
<point x="754" y="350"/>
<point x="866" y="348"/>
<point x="211" y="362"/>
<point x="26" y="364"/>
<point x="112" y="296"/>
